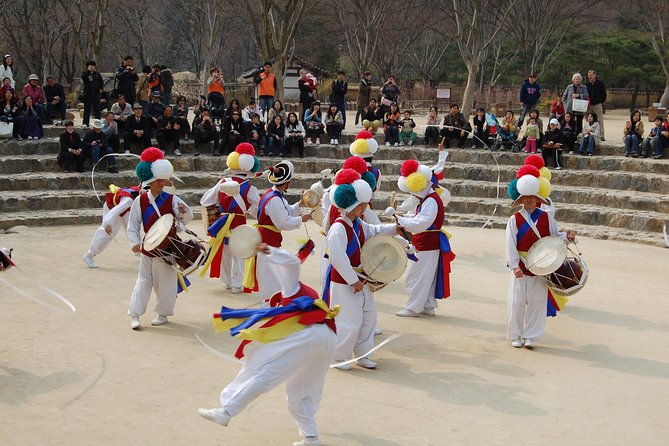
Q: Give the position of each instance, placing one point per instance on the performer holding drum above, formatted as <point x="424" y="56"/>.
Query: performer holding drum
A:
<point x="153" y="171"/>
<point x="527" y="292"/>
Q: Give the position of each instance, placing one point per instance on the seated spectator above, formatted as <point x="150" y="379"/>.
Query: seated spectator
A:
<point x="137" y="129"/>
<point x="590" y="136"/>
<point x="250" y="110"/>
<point x="97" y="145"/>
<point x="234" y="131"/>
<point x="313" y="123"/>
<point x="532" y="135"/>
<point x="407" y="135"/>
<point x="111" y="131"/>
<point x="121" y="110"/>
<point x="216" y="93"/>
<point x="155" y="108"/>
<point x="391" y="125"/>
<point x="294" y="135"/>
<point x="432" y="126"/>
<point x="7" y="85"/>
<point x="72" y="151"/>
<point x="33" y="90"/>
<point x="257" y="134"/>
<point x="553" y="144"/>
<point x="663" y="143"/>
<point x="480" y="127"/>
<point x="277" y="109"/>
<point x="181" y="113"/>
<point x="199" y="105"/>
<point x="372" y="117"/>
<point x="651" y="142"/>
<point x="633" y="134"/>
<point x="143" y="93"/>
<point x="55" y="100"/>
<point x="234" y="105"/>
<point x="28" y="120"/>
<point x="168" y="132"/>
<point x="105" y="101"/>
<point x="204" y="131"/>
<point x="276" y="133"/>
<point x="508" y="132"/>
<point x="455" y="126"/>
<point x="334" y="123"/>
<point x="557" y="109"/>
<point x="9" y="110"/>
<point x="569" y="131"/>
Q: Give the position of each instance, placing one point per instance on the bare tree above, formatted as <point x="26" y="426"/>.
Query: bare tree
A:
<point x="656" y="20"/>
<point x="87" y="25"/>
<point x="131" y="28"/>
<point x="428" y="53"/>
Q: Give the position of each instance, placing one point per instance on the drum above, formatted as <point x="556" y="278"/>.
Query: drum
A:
<point x="546" y="255"/>
<point x="383" y="260"/>
<point x="570" y="277"/>
<point x="243" y="241"/>
<point x="311" y="198"/>
<point x="209" y="215"/>
<point x="188" y="255"/>
<point x="158" y="238"/>
<point x="162" y="241"/>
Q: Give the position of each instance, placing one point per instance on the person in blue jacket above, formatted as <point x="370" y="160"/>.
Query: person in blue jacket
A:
<point x="530" y="93"/>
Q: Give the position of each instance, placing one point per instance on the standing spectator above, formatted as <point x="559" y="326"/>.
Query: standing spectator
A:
<point x="455" y="125"/>
<point x="576" y="90"/>
<point x="364" y="94"/>
<point x="432" y="126"/>
<point x="530" y="93"/>
<point x="137" y="129"/>
<point x="338" y="95"/>
<point x="276" y="110"/>
<point x="96" y="143"/>
<point x="250" y="109"/>
<point x="142" y="94"/>
<point x="569" y="132"/>
<point x="93" y="86"/>
<point x="33" y="90"/>
<point x="532" y="135"/>
<point x="307" y="85"/>
<point x="590" y="135"/>
<point x="72" y="152"/>
<point x="257" y="134"/>
<point x="121" y="111"/>
<point x="55" y="100"/>
<point x="266" y="89"/>
<point x="7" y="69"/>
<point x="154" y="81"/>
<point x="204" y="131"/>
<point x="111" y="131"/>
<point x="480" y="127"/>
<point x="372" y="117"/>
<point x="391" y="125"/>
<point x="167" y="81"/>
<point x="650" y="143"/>
<point x="181" y="113"/>
<point x="234" y="131"/>
<point x="276" y="132"/>
<point x="294" y="135"/>
<point x="390" y="93"/>
<point x="126" y="80"/>
<point x="557" y="109"/>
<point x="633" y="134"/>
<point x="216" y="92"/>
<point x="407" y="135"/>
<point x="155" y="108"/>
<point x="29" y="122"/>
<point x="313" y="122"/>
<point x="597" y="96"/>
<point x="553" y="144"/>
<point x="168" y="132"/>
<point x="334" y="123"/>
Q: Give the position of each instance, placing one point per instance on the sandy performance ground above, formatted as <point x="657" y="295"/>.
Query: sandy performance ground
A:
<point x="599" y="376"/>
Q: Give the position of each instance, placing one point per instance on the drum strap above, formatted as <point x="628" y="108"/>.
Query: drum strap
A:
<point x="530" y="222"/>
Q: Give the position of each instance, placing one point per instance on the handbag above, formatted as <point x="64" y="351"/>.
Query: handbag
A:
<point x="385" y="101"/>
<point x="579" y="105"/>
<point x="6" y="129"/>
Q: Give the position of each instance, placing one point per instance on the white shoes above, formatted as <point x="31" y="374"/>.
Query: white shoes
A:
<point x="406" y="313"/>
<point x="336" y="142"/>
<point x="88" y="260"/>
<point x="135" y="324"/>
<point x="529" y="343"/>
<point x="387" y="144"/>
<point x="366" y="363"/>
<point x="343" y="367"/>
<point x="378" y="331"/>
<point x="177" y="152"/>
<point x="395" y="144"/>
<point x="332" y="141"/>
<point x="517" y="343"/>
<point x="428" y="312"/>
<point x="159" y="320"/>
<point x="236" y="290"/>
<point x="313" y="441"/>
<point x="218" y="416"/>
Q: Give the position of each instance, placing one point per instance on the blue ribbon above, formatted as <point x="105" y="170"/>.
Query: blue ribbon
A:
<point x="254" y="315"/>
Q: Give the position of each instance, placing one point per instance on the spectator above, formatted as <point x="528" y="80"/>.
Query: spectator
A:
<point x="7" y="85"/>
<point x="277" y="109"/>
<point x="276" y="132"/>
<point x="168" y="132"/>
<point x="576" y="90"/>
<point x="557" y="109"/>
<point x="390" y="93"/>
<point x="294" y="135"/>
<point x="154" y="81"/>
<point x="266" y="89"/>
<point x="250" y="109"/>
<point x="338" y="95"/>
<point x="234" y="105"/>
<point x="121" y="111"/>
<point x="7" y="69"/>
<point x="155" y="108"/>
<point x="391" y="125"/>
<point x="200" y="104"/>
<point x="307" y="85"/>
<point x="314" y="122"/>
<point x="372" y="117"/>
<point x="9" y="110"/>
<point x="530" y="93"/>
<point x="432" y="126"/>
<point x="334" y="122"/>
<point x="532" y="135"/>
<point x="407" y="135"/>
<point x="650" y="143"/>
<point x="257" y="134"/>
<point x="72" y="152"/>
<point x="105" y="103"/>
<point x="534" y="114"/>
<point x="167" y="82"/>
<point x="663" y="142"/>
<point x="181" y="113"/>
<point x="126" y="80"/>
<point x="204" y="131"/>
<point x="111" y="130"/>
<point x="569" y="132"/>
<point x="234" y="131"/>
<point x="28" y="120"/>
<point x="142" y="95"/>
<point x="455" y="126"/>
<point x="55" y="100"/>
<point x="590" y="135"/>
<point x="138" y="129"/>
<point x="633" y="134"/>
<point x="508" y="132"/>
<point x="480" y="127"/>
<point x="93" y="86"/>
<point x="97" y="145"/>
<point x="553" y="144"/>
<point x="216" y="92"/>
<point x="597" y="97"/>
<point x="33" y="90"/>
<point x="364" y="94"/>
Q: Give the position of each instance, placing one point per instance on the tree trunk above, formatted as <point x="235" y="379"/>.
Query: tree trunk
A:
<point x="634" y="96"/>
<point x="279" y="73"/>
<point x="468" y="96"/>
<point x="665" y="96"/>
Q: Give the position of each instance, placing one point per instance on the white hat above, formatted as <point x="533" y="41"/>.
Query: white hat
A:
<point x="349" y="190"/>
<point x="364" y="146"/>
<point x="33" y="77"/>
<point x="97" y="123"/>
<point x="554" y="121"/>
<point x="281" y="173"/>
<point x="414" y="177"/>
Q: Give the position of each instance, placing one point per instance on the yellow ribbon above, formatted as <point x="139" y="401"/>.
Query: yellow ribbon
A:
<point x="217" y="242"/>
<point x="270" y="227"/>
<point x="448" y="234"/>
<point x="182" y="282"/>
<point x="249" y="281"/>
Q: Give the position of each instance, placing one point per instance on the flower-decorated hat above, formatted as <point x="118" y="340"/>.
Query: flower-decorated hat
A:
<point x="349" y="190"/>
<point x="281" y="173"/>
<point x="153" y="166"/>
<point x="532" y="179"/>
<point x="360" y="166"/>
<point x="243" y="160"/>
<point x="414" y="178"/>
<point x="364" y="146"/>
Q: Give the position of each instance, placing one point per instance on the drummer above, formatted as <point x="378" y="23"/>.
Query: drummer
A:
<point x="527" y="293"/>
<point x="155" y="172"/>
<point x="346" y="237"/>
<point x="221" y="263"/>
<point x="274" y="215"/>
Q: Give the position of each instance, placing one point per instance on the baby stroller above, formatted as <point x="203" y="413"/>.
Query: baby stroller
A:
<point x="503" y="139"/>
<point x="216" y="103"/>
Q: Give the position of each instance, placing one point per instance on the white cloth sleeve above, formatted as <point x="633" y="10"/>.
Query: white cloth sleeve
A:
<point x="421" y="221"/>
<point x="371" y="217"/>
<point x="115" y="212"/>
<point x="373" y="230"/>
<point x="512" y="256"/>
<point x="337" y="242"/>
<point x="281" y="215"/>
<point x="134" y="224"/>
<point x="210" y="197"/>
<point x="184" y="218"/>
<point x="254" y="199"/>
<point x="439" y="167"/>
<point x="409" y="205"/>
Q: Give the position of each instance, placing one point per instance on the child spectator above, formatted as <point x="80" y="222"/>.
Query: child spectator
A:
<point x="590" y="136"/>
<point x="391" y="125"/>
<point x="276" y="132"/>
<point x="651" y="143"/>
<point x="569" y="132"/>
<point x="532" y="134"/>
<point x="334" y="122"/>
<point x="633" y="134"/>
<point x="72" y="152"/>
<point x="29" y="122"/>
<point x="407" y="135"/>
<point x="557" y="109"/>
<point x="294" y="135"/>
<point x="257" y="134"/>
<point x="432" y="126"/>
<point x="314" y="122"/>
<point x="372" y="117"/>
<point x="480" y="127"/>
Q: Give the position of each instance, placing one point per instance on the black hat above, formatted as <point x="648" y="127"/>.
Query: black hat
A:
<point x="90" y="62"/>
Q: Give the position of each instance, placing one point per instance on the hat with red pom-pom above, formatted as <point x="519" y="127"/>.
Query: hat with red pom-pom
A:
<point x="532" y="179"/>
<point x="349" y="190"/>
<point x="153" y="166"/>
<point x="281" y="173"/>
<point x="414" y="177"/>
<point x="243" y="159"/>
<point x="364" y="146"/>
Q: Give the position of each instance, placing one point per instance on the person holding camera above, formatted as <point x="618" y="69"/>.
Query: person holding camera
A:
<point x="126" y="80"/>
<point x="390" y="93"/>
<point x="93" y="86"/>
<point x="155" y="81"/>
<point x="205" y="131"/>
<point x="216" y="91"/>
<point x="266" y="88"/>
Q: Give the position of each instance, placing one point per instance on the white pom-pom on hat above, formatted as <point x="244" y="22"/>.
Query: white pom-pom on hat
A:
<point x="402" y="184"/>
<point x="363" y="193"/>
<point x="528" y="185"/>
<point x="162" y="170"/>
<point x="372" y="145"/>
<point x="425" y="171"/>
<point x="246" y="162"/>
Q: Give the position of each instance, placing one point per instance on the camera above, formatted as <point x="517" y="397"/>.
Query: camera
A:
<point x="253" y="72"/>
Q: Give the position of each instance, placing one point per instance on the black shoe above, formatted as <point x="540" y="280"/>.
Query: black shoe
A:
<point x="216" y="153"/>
<point x="282" y="155"/>
<point x="112" y="169"/>
<point x="197" y="153"/>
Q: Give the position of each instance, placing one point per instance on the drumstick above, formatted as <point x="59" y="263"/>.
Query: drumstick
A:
<point x="374" y="270"/>
<point x="405" y="234"/>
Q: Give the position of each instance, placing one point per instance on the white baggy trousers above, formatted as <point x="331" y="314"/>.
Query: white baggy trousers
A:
<point x="526" y="307"/>
<point x="421" y="281"/>
<point x="355" y="322"/>
<point x="162" y="277"/>
<point x="232" y="269"/>
<point x="101" y="239"/>
<point x="268" y="283"/>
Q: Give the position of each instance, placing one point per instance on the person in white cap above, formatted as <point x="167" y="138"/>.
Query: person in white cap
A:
<point x="301" y="358"/>
<point x="224" y="265"/>
<point x="346" y="237"/>
<point x="154" y="171"/>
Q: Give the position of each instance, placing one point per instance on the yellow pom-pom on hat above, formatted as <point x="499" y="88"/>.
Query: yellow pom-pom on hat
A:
<point x="544" y="187"/>
<point x="233" y="161"/>
<point x="359" y="147"/>
<point x="545" y="173"/>
<point x="416" y="182"/>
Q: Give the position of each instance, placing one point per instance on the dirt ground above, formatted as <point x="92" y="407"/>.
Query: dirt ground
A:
<point x="599" y="376"/>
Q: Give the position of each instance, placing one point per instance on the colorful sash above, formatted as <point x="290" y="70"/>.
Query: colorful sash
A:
<point x="446" y="256"/>
<point x="352" y="246"/>
<point x="555" y="301"/>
